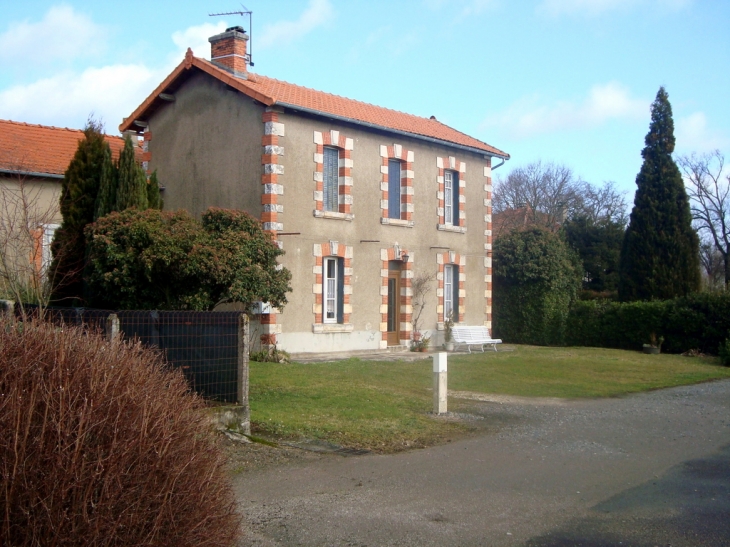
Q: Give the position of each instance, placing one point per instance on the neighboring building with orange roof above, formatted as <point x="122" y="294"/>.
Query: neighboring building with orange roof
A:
<point x="33" y="159"/>
<point x="362" y="198"/>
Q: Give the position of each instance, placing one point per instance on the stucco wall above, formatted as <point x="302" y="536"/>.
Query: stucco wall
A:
<point x="297" y="217"/>
<point x="206" y="147"/>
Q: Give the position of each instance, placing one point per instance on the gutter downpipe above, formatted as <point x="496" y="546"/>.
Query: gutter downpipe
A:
<point x="321" y="114"/>
<point x="499" y="164"/>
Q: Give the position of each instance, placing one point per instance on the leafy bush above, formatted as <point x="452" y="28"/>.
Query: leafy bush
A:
<point x="101" y="445"/>
<point x="696" y="322"/>
<point x="270" y="355"/>
<point x="536" y="278"/>
<point x="170" y="261"/>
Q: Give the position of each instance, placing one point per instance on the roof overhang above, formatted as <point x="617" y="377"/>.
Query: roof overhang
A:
<point x="30" y="174"/>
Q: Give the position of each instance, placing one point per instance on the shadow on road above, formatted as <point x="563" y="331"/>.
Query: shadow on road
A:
<point x="688" y="506"/>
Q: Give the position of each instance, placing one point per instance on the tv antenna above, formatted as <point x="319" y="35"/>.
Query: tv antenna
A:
<point x="243" y="12"/>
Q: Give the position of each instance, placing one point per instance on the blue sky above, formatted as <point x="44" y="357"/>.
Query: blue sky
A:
<point x="569" y="81"/>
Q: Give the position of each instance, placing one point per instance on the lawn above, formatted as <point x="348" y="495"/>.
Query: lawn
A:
<point x="385" y="405"/>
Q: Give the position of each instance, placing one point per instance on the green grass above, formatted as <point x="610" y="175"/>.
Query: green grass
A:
<point x="385" y="405"/>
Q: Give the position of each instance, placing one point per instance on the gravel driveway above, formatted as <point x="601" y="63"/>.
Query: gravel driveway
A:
<point x="649" y="469"/>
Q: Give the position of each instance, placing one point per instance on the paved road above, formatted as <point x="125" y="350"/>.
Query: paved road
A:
<point x="645" y="470"/>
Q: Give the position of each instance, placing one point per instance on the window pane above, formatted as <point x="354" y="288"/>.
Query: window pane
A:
<point x="455" y="294"/>
<point x="455" y="199"/>
<point x="394" y="168"/>
<point x="448" y="197"/>
<point x="448" y="290"/>
<point x="331" y="179"/>
<point x="330" y="290"/>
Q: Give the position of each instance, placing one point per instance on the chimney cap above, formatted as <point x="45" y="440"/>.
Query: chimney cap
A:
<point x="237" y="28"/>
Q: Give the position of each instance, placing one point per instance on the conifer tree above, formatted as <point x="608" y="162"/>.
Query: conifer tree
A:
<point x="106" y="199"/>
<point x="154" y="200"/>
<point x="660" y="252"/>
<point x="77" y="203"/>
<point x="132" y="187"/>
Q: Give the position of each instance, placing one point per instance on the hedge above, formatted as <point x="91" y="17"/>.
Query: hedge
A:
<point x="700" y="321"/>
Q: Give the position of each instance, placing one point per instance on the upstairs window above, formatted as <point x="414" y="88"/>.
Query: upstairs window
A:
<point x="451" y="198"/>
<point x="331" y="179"/>
<point x="394" y="188"/>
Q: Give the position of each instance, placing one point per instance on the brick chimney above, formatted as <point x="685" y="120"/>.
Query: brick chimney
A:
<point x="228" y="50"/>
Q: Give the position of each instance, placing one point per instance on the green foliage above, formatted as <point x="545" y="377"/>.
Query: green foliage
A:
<point x="79" y="189"/>
<point x="698" y="321"/>
<point x="536" y="279"/>
<point x="598" y="245"/>
<point x="724" y="352"/>
<point x="660" y="252"/>
<point x="154" y="199"/>
<point x="161" y="260"/>
<point x="132" y="189"/>
<point x="106" y="198"/>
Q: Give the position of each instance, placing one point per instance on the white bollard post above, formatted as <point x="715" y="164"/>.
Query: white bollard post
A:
<point x="440" y="390"/>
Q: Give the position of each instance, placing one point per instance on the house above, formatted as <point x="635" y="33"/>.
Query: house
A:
<point x="363" y="199"/>
<point x="33" y="159"/>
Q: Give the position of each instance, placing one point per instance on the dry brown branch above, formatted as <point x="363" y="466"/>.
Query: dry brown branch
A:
<point x="103" y="446"/>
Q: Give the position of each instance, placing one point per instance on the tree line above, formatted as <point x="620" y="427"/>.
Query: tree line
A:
<point x="556" y="234"/>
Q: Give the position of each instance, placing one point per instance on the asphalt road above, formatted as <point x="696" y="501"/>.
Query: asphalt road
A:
<point x="644" y="470"/>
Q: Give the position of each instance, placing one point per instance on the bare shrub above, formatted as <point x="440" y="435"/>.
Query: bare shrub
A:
<point x="101" y="445"/>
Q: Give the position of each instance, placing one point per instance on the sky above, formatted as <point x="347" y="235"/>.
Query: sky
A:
<point x="564" y="81"/>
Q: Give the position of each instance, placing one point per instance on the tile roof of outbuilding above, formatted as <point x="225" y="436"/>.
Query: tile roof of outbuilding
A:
<point x="41" y="149"/>
<point x="272" y="92"/>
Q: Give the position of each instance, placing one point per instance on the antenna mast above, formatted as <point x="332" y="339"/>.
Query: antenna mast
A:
<point x="245" y="11"/>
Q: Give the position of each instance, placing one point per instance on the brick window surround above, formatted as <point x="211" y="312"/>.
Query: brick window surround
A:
<point x="451" y="164"/>
<point x="344" y="146"/>
<point x="488" y="242"/>
<point x="320" y="252"/>
<point x="406" y="294"/>
<point x="397" y="152"/>
<point x="444" y="259"/>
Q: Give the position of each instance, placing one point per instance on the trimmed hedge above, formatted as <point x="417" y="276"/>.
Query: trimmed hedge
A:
<point x="698" y="321"/>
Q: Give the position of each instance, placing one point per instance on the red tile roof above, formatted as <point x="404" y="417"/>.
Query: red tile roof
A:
<point x="28" y="148"/>
<point x="273" y="92"/>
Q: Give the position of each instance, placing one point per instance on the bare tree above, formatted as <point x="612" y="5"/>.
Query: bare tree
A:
<point x="547" y="194"/>
<point x="602" y="204"/>
<point x="713" y="266"/>
<point x="708" y="187"/>
<point x="421" y="286"/>
<point x="550" y="192"/>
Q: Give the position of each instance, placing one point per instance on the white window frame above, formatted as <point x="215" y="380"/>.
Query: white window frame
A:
<point x="451" y="278"/>
<point x="331" y="296"/>
<point x="451" y="198"/>
<point x="49" y="230"/>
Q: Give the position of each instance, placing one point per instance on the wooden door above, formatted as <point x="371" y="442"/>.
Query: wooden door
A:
<point x="393" y="306"/>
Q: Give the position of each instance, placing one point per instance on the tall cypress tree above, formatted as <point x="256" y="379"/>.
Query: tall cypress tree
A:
<point x="154" y="200"/>
<point x="660" y="252"/>
<point x="132" y="188"/>
<point x="77" y="203"/>
<point x="106" y="199"/>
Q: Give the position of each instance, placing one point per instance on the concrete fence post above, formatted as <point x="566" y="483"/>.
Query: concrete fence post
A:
<point x="440" y="388"/>
<point x="242" y="396"/>
<point x="112" y="327"/>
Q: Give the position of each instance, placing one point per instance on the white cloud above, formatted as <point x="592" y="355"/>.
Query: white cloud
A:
<point x="528" y="117"/>
<point x="196" y="38"/>
<point x="693" y="135"/>
<point x="593" y="8"/>
<point x="62" y="34"/>
<point x="67" y="99"/>
<point x="317" y="13"/>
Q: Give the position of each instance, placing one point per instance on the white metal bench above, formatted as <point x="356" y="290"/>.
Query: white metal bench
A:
<point x="473" y="336"/>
